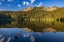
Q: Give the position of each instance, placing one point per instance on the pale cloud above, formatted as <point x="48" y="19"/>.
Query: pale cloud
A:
<point x="17" y="0"/>
<point x="26" y="35"/>
<point x="1" y="0"/>
<point x="32" y="39"/>
<point x="0" y="3"/>
<point x="1" y="35"/>
<point x="40" y="4"/>
<point x="14" y="2"/>
<point x="10" y="0"/>
<point x="0" y="9"/>
<point x="19" y="5"/>
<point x="35" y="5"/>
<point x="8" y="39"/>
<point x="32" y="1"/>
<point x="8" y="4"/>
<point x="31" y="5"/>
<point x="2" y="39"/>
<point x="26" y="3"/>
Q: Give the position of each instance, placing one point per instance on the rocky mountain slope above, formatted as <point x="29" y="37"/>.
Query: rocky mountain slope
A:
<point x="41" y="8"/>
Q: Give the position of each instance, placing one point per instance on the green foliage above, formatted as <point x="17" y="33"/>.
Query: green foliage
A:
<point x="35" y="14"/>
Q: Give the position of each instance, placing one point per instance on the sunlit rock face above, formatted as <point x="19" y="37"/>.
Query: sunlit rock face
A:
<point x="27" y="9"/>
<point x="49" y="30"/>
<point x="50" y="8"/>
<point x="43" y="8"/>
<point x="28" y="30"/>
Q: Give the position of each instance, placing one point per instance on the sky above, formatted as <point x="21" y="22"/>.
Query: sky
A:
<point x="15" y="5"/>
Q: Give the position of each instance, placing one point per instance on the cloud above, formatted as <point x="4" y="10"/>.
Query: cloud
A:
<point x="1" y="35"/>
<point x="17" y="0"/>
<point x="35" y="5"/>
<point x="2" y="0"/>
<point x="0" y="3"/>
<point x="19" y="5"/>
<point x="40" y="4"/>
<point x="26" y="3"/>
<point x="0" y="9"/>
<point x="10" y="0"/>
<point x="8" y="39"/>
<point x="32" y="39"/>
<point x="8" y="4"/>
<point x="14" y="2"/>
<point x="26" y="35"/>
<point x="2" y="39"/>
<point x="32" y="1"/>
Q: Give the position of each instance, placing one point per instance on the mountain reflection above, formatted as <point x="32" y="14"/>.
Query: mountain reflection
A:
<point x="49" y="30"/>
<point x="27" y="29"/>
<point x="27" y="35"/>
<point x="33" y="26"/>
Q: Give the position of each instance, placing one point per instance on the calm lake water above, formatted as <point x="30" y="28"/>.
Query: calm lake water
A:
<point x="31" y="31"/>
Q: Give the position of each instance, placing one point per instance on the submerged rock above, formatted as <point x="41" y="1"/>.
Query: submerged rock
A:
<point x="18" y="34"/>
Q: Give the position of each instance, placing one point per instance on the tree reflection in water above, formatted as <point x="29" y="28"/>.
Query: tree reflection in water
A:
<point x="33" y="25"/>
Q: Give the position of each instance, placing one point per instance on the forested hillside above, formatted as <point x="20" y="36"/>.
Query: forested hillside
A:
<point x="34" y="14"/>
<point x="37" y="17"/>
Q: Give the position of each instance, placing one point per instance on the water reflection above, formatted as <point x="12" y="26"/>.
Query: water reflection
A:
<point x="49" y="30"/>
<point x="31" y="31"/>
<point x="33" y="25"/>
<point x="27" y="29"/>
<point x="8" y="35"/>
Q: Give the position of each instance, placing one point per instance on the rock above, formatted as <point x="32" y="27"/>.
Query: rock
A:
<point x="27" y="9"/>
<point x="42" y="8"/>
<point x="18" y="34"/>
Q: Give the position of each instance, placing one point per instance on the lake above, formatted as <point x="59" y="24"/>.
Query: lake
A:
<point x="31" y="31"/>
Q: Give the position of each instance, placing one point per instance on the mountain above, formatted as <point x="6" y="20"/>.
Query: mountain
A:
<point x="27" y="9"/>
<point x="35" y="13"/>
<point x="50" y="8"/>
<point x="41" y="8"/>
